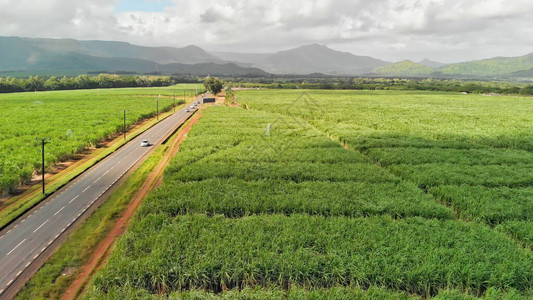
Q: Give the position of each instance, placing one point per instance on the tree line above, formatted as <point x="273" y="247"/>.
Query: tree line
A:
<point x="365" y="83"/>
<point x="38" y="83"/>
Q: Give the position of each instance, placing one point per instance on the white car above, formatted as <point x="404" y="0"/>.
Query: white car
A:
<point x="145" y="143"/>
<point x="187" y="110"/>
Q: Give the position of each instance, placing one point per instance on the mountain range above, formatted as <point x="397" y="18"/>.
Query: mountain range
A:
<point x="68" y="56"/>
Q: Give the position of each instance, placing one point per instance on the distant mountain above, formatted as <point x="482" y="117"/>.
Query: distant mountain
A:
<point x="80" y="63"/>
<point x="430" y="63"/>
<point x="523" y="74"/>
<point x="49" y="56"/>
<point x="68" y="56"/>
<point x="245" y="59"/>
<point x="404" y="68"/>
<point x="318" y="59"/>
<point x="162" y="55"/>
<point x="494" y="67"/>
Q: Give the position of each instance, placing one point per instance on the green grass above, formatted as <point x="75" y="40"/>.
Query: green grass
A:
<point x="72" y="120"/>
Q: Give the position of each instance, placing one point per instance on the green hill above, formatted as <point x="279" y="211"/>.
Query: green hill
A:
<point x="498" y="66"/>
<point x="317" y="58"/>
<point x="405" y="67"/>
<point x="72" y="57"/>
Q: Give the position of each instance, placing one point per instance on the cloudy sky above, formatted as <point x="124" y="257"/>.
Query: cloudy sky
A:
<point x="441" y="30"/>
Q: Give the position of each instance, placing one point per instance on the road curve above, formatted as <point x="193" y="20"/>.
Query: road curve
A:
<point x="24" y="241"/>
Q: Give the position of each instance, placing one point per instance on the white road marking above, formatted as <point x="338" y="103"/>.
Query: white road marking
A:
<point x="1" y="291"/>
<point x="27" y="264"/>
<point x="59" y="210"/>
<point x="18" y="273"/>
<point x="35" y="256"/>
<point x="86" y="189"/>
<point x="10" y="282"/>
<point x="40" y="226"/>
<point x="97" y="179"/>
<point x="15" y="247"/>
<point x="44" y="248"/>
<point x="73" y="199"/>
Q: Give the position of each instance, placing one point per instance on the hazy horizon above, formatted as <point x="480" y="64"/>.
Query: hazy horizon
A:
<point x="440" y="30"/>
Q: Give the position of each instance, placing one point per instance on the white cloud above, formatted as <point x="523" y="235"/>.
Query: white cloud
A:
<point x="448" y="30"/>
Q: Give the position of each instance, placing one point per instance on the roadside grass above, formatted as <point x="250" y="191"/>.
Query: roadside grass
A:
<point x="55" y="276"/>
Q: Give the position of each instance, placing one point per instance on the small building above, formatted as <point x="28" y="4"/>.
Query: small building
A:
<point x="208" y="100"/>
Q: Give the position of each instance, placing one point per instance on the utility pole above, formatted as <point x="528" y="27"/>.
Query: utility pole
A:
<point x="43" y="142"/>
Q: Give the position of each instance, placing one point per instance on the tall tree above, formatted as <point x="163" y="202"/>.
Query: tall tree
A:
<point x="214" y="85"/>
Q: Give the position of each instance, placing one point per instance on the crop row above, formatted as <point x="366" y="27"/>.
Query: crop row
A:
<point x="297" y="293"/>
<point x="236" y="198"/>
<point x="414" y="255"/>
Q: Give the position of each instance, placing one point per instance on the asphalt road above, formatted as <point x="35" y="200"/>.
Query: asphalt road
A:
<point x="24" y="241"/>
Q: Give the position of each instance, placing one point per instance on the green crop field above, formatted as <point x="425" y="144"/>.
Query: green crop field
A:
<point x="339" y="195"/>
<point x="72" y="120"/>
